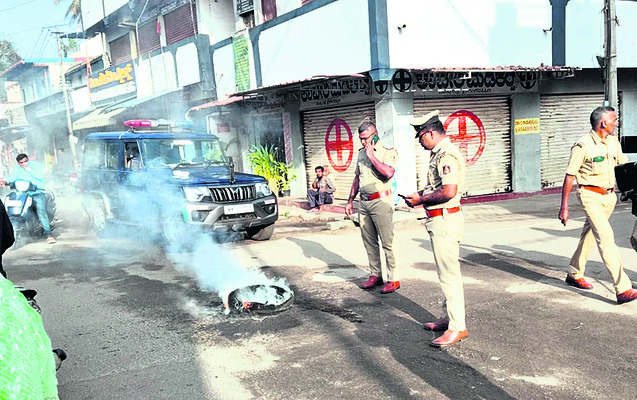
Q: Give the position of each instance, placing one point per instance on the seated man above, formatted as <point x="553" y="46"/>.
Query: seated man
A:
<point x="322" y="191"/>
<point x="34" y="173"/>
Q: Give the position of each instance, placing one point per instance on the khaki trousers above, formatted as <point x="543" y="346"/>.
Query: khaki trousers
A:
<point x="376" y="221"/>
<point x="598" y="208"/>
<point x="445" y="232"/>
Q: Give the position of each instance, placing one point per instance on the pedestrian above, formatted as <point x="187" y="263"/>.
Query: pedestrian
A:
<point x="592" y="163"/>
<point x="322" y="191"/>
<point x="33" y="172"/>
<point x="445" y="222"/>
<point x="374" y="169"/>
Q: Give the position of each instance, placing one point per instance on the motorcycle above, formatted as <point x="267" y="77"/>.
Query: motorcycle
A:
<point x="22" y="212"/>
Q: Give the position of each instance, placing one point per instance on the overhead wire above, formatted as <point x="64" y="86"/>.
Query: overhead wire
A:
<point x="17" y="5"/>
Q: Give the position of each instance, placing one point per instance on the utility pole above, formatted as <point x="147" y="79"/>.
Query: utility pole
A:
<point x="610" y="54"/>
<point x="67" y="105"/>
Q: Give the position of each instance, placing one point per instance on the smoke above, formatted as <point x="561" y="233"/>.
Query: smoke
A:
<point x="153" y="200"/>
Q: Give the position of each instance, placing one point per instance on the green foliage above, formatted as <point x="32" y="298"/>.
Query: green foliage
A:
<point x="264" y="163"/>
<point x="74" y="12"/>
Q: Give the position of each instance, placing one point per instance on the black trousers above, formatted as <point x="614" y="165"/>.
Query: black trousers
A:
<point x="317" y="198"/>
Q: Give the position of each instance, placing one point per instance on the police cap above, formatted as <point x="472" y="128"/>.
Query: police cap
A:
<point x="430" y="118"/>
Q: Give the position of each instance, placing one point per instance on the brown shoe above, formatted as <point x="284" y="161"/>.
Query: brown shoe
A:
<point x="625" y="297"/>
<point x="390" y="287"/>
<point x="449" y="337"/>
<point x="441" y="325"/>
<point x="372" y="282"/>
<point x="578" y="283"/>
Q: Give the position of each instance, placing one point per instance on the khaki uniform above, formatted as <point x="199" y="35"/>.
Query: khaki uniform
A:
<point x="593" y="162"/>
<point x="376" y="216"/>
<point x="447" y="167"/>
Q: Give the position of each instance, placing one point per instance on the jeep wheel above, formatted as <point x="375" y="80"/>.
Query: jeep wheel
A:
<point x="98" y="218"/>
<point x="174" y="234"/>
<point x="260" y="232"/>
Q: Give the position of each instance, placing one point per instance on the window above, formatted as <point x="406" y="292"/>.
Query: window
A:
<point x="148" y="37"/>
<point x="120" y="50"/>
<point x="111" y="155"/>
<point x="268" y="8"/>
<point x="181" y="23"/>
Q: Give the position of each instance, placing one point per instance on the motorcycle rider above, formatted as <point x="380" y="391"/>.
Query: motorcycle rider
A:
<point x="33" y="172"/>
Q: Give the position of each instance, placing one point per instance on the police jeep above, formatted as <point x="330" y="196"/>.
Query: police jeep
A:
<point x="166" y="180"/>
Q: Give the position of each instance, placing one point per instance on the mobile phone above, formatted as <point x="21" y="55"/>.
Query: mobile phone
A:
<point x="401" y="196"/>
<point x="375" y="139"/>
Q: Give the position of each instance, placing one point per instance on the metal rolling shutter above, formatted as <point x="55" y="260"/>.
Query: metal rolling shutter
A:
<point x="491" y="169"/>
<point x="181" y="23"/>
<point x="315" y="129"/>
<point x="120" y="50"/>
<point x="148" y="37"/>
<point x="563" y="120"/>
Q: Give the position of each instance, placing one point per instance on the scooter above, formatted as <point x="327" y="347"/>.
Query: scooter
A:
<point x="22" y="212"/>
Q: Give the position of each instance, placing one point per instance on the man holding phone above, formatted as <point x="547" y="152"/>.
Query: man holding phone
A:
<point x="374" y="169"/>
<point x="445" y="222"/>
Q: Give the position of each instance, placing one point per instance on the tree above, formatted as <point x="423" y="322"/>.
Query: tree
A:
<point x="8" y="57"/>
<point x="69" y="47"/>
<point x="74" y="13"/>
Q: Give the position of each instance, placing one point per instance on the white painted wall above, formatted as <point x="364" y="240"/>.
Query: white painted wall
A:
<point x="285" y="6"/>
<point x="333" y="39"/>
<point x="110" y="6"/>
<point x="585" y="33"/>
<point x="223" y="60"/>
<point x="216" y="19"/>
<point x="92" y="12"/>
<point x="468" y="33"/>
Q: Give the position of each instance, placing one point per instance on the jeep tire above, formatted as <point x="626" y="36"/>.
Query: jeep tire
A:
<point x="97" y="217"/>
<point x="260" y="232"/>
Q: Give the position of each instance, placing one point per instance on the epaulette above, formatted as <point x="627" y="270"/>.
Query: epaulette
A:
<point x="578" y="143"/>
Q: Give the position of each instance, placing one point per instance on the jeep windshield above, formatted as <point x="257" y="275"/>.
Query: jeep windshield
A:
<point x="175" y="153"/>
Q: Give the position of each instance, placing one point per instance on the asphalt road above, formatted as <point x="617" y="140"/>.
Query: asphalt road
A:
<point x="137" y="324"/>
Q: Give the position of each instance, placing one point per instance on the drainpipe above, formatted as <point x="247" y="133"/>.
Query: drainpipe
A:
<point x="558" y="32"/>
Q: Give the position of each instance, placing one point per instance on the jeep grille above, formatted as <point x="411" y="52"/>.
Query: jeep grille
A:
<point x="232" y="194"/>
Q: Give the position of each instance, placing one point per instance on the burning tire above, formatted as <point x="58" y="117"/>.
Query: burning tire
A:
<point x="260" y="299"/>
<point x="261" y="232"/>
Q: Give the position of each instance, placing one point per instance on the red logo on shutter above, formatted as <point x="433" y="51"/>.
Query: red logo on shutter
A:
<point x="337" y="148"/>
<point x="467" y="142"/>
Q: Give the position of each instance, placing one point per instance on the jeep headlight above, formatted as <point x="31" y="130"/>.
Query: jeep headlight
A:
<point x="263" y="189"/>
<point x="195" y="193"/>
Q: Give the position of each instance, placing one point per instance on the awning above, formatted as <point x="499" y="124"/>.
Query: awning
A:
<point x="98" y="118"/>
<point x="221" y="102"/>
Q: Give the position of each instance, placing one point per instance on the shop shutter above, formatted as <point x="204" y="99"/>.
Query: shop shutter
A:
<point x="563" y="120"/>
<point x="181" y="23"/>
<point x="148" y="37"/>
<point x="317" y="145"/>
<point x="268" y="9"/>
<point x="488" y="167"/>
<point x="120" y="50"/>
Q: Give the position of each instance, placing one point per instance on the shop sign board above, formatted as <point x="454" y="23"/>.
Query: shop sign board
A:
<point x="113" y="82"/>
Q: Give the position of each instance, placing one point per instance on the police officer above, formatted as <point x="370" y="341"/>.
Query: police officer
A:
<point x="374" y="169"/>
<point x="592" y="163"/>
<point x="445" y="222"/>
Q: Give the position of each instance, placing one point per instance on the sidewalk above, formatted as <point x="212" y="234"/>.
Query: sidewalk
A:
<point x="294" y="214"/>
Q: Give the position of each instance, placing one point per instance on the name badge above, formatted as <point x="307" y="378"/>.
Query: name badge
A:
<point x="598" y="159"/>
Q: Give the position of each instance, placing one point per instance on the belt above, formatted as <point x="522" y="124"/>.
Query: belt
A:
<point x="598" y="189"/>
<point x="436" y="212"/>
<point x="377" y="195"/>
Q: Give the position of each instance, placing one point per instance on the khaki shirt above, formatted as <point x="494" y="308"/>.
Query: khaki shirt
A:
<point x="446" y="167"/>
<point x="368" y="180"/>
<point x="593" y="160"/>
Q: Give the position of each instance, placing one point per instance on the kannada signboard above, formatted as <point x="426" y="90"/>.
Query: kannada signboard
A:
<point x="244" y="6"/>
<point x="240" y="47"/>
<point x="113" y="82"/>
<point x="527" y="126"/>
